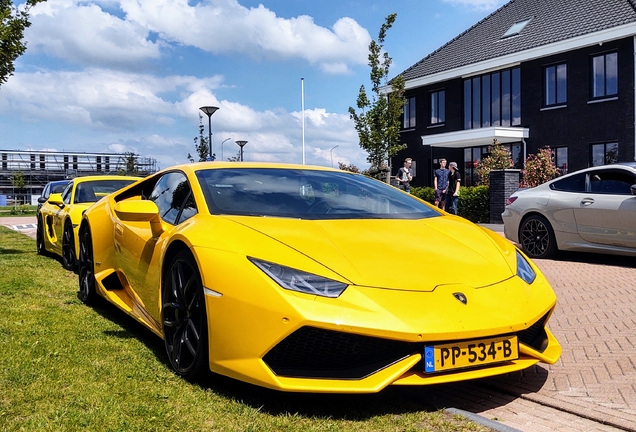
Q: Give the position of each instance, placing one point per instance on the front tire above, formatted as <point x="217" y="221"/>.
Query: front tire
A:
<point x="87" y="293"/>
<point x="184" y="318"/>
<point x="537" y="237"/>
<point x="68" y="248"/>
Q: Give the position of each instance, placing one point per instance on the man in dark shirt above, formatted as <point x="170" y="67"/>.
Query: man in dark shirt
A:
<point x="452" y="195"/>
<point x="440" y="180"/>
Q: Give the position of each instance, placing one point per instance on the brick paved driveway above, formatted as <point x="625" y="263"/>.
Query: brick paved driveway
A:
<point x="593" y="385"/>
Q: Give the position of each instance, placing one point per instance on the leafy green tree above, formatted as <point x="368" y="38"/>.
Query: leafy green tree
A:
<point x="351" y="167"/>
<point x="236" y="158"/>
<point x="132" y="167"/>
<point x="13" y="21"/>
<point x="17" y="181"/>
<point x="379" y="119"/>
<point x="499" y="158"/>
<point x="201" y="144"/>
<point x="539" y="168"/>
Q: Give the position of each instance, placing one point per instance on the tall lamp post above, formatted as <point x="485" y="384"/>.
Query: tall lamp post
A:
<point x="209" y="110"/>
<point x="331" y="154"/>
<point x="241" y="144"/>
<point x="226" y="139"/>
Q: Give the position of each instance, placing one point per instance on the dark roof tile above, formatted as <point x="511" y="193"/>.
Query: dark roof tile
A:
<point x="552" y="21"/>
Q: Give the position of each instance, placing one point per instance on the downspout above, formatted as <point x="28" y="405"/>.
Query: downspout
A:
<point x="524" y="151"/>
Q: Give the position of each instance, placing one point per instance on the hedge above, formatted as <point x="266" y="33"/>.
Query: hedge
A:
<point x="474" y="201"/>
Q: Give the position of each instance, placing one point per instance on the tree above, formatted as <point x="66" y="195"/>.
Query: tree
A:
<point x="539" y="168"/>
<point x="351" y="167"/>
<point x="132" y="167"/>
<point x="17" y="181"/>
<point x="236" y="158"/>
<point x="378" y="122"/>
<point x="499" y="158"/>
<point x="13" y="21"/>
<point x="201" y="144"/>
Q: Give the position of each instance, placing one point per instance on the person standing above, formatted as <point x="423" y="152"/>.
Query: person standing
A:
<point x="452" y="194"/>
<point x="440" y="180"/>
<point x="404" y="176"/>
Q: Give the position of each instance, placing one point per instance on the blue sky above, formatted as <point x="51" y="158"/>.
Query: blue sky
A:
<point x="130" y="75"/>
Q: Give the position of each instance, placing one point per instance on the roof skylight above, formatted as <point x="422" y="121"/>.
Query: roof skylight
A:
<point x="516" y="28"/>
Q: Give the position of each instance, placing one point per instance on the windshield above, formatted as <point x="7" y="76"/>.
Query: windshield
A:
<point x="306" y="194"/>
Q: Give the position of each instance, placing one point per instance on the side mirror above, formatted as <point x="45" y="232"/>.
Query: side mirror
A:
<point x="140" y="211"/>
<point x="56" y="199"/>
<point x="41" y="200"/>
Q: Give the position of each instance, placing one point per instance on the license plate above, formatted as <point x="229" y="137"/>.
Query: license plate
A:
<point x="438" y="358"/>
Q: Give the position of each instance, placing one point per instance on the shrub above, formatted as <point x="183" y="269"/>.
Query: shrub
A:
<point x="424" y="193"/>
<point x="474" y="203"/>
<point x="499" y="158"/>
<point x="539" y="168"/>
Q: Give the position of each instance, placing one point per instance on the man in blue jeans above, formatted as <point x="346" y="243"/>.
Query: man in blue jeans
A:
<point x="440" y="182"/>
<point x="452" y="195"/>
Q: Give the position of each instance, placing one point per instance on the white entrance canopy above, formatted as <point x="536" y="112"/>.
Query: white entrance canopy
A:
<point x="476" y="137"/>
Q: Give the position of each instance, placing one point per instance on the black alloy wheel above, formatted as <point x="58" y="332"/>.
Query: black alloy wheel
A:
<point x="184" y="318"/>
<point x="39" y="238"/>
<point x="87" y="292"/>
<point x="68" y="248"/>
<point x="537" y="238"/>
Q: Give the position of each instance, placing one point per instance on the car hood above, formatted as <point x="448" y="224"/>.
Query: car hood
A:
<point x="418" y="254"/>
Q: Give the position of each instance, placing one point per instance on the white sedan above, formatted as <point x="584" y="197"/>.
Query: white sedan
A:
<point x="591" y="210"/>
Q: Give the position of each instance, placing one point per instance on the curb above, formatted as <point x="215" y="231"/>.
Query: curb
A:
<point x="476" y="418"/>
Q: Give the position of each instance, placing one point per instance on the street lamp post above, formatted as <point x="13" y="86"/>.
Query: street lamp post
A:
<point x="331" y="154"/>
<point x="209" y="110"/>
<point x="241" y="144"/>
<point x="226" y="139"/>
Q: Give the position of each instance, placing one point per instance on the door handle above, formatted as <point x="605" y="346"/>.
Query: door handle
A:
<point x="587" y="201"/>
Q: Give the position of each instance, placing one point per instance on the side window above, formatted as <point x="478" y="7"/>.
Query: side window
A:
<point x="611" y="182"/>
<point x="173" y="197"/>
<point x="47" y="191"/>
<point x="575" y="183"/>
<point x="66" y="195"/>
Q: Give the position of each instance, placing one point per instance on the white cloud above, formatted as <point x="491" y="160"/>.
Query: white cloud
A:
<point x="478" y="4"/>
<point x="122" y="112"/>
<point x="122" y="34"/>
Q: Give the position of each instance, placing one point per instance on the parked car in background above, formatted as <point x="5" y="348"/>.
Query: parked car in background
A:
<point x="312" y="279"/>
<point x="58" y="219"/>
<point x="591" y="210"/>
<point x="51" y="188"/>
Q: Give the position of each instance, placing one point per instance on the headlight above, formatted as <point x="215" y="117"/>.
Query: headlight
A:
<point x="296" y="280"/>
<point x="524" y="271"/>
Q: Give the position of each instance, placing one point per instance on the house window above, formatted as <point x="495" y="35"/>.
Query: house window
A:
<point x="555" y="85"/>
<point x="493" y="99"/>
<point x="604" y="154"/>
<point x="409" y="113"/>
<point x="605" y="75"/>
<point x="516" y="28"/>
<point x="561" y="159"/>
<point x="438" y="107"/>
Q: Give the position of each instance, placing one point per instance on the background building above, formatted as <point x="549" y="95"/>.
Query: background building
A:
<point x="534" y="73"/>
<point x="40" y="167"/>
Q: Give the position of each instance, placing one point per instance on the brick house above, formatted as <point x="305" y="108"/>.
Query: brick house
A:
<point x="534" y="73"/>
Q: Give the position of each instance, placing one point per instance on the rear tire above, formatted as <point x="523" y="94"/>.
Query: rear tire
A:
<point x="184" y="318"/>
<point x="39" y="238"/>
<point x="68" y="248"/>
<point x="537" y="237"/>
<point x="87" y="293"/>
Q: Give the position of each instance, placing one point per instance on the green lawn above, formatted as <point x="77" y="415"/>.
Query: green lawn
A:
<point x="68" y="367"/>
